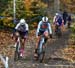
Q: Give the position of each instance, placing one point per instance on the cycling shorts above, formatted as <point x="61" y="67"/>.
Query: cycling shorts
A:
<point x="40" y="32"/>
<point x="23" y="34"/>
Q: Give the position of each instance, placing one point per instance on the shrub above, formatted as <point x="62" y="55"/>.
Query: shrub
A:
<point x="73" y="28"/>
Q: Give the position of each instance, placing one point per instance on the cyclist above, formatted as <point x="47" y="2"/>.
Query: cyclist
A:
<point x="42" y="27"/>
<point x="58" y="21"/>
<point x="21" y="29"/>
<point x="65" y="15"/>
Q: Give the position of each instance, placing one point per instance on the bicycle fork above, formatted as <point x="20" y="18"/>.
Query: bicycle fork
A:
<point x="41" y="45"/>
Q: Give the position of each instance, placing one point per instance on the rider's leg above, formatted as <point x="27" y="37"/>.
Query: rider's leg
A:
<point x="38" y="39"/>
<point x="16" y="37"/>
<point x="22" y="47"/>
<point x="56" y="28"/>
<point x="23" y="36"/>
<point x="45" y="40"/>
<point x="36" y="47"/>
<point x="37" y="42"/>
<point x="23" y="43"/>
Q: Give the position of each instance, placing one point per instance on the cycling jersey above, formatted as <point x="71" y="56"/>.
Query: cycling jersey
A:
<point x="57" y="20"/>
<point x="22" y="28"/>
<point x="43" y="27"/>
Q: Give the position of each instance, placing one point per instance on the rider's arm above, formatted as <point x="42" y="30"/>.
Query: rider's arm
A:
<point x="17" y="26"/>
<point x="50" y="30"/>
<point x="54" y="19"/>
<point x="15" y="29"/>
<point x="38" y="28"/>
<point x="27" y="27"/>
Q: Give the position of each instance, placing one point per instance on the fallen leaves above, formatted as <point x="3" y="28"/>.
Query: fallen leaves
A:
<point x="71" y="40"/>
<point x="69" y="54"/>
<point x="6" y="42"/>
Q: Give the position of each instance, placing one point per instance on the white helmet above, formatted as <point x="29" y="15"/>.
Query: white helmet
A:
<point x="57" y="14"/>
<point x="22" y="21"/>
<point x="45" y="19"/>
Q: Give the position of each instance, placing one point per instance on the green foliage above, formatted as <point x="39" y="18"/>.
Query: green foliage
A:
<point x="72" y="36"/>
<point x="73" y="28"/>
<point x="7" y="22"/>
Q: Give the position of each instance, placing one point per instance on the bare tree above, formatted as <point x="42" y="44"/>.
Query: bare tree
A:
<point x="56" y="5"/>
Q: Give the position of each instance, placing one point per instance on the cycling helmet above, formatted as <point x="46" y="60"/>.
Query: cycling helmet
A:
<point x="57" y="14"/>
<point x="22" y="21"/>
<point x="45" y="19"/>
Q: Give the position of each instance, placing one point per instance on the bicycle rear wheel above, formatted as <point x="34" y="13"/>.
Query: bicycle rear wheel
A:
<point x="58" y="32"/>
<point x="41" y="51"/>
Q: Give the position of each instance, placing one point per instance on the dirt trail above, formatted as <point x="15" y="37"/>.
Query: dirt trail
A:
<point x="53" y="58"/>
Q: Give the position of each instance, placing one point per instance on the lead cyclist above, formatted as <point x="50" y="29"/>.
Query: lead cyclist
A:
<point x="43" y="26"/>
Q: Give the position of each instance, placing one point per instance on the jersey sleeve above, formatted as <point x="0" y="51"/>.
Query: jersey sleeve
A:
<point x="38" y="28"/>
<point x="27" y="28"/>
<point x="17" y="26"/>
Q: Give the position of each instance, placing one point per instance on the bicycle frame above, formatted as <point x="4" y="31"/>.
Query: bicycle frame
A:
<point x="41" y="52"/>
<point x="18" y="42"/>
<point x="41" y="44"/>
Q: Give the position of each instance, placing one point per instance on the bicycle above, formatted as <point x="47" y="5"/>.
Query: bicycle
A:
<point x="58" y="32"/>
<point x="17" y="50"/>
<point x="41" y="49"/>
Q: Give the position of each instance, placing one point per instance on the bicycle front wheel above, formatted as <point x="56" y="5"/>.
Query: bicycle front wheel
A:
<point x="17" y="52"/>
<point x="41" y="57"/>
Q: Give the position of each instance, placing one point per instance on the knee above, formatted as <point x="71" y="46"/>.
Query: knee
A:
<point x="38" y="38"/>
<point x="46" y="40"/>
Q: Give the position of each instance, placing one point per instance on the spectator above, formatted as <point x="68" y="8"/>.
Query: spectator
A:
<point x="65" y="15"/>
<point x="69" y="20"/>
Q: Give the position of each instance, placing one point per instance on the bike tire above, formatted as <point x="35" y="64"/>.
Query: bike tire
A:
<point x="15" y="56"/>
<point x="41" y="57"/>
<point x="41" y="53"/>
<point x="58" y="33"/>
<point x="17" y="53"/>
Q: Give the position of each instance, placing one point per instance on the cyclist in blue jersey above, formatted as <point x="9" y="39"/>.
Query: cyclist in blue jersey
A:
<point x="58" y="20"/>
<point x="43" y="26"/>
